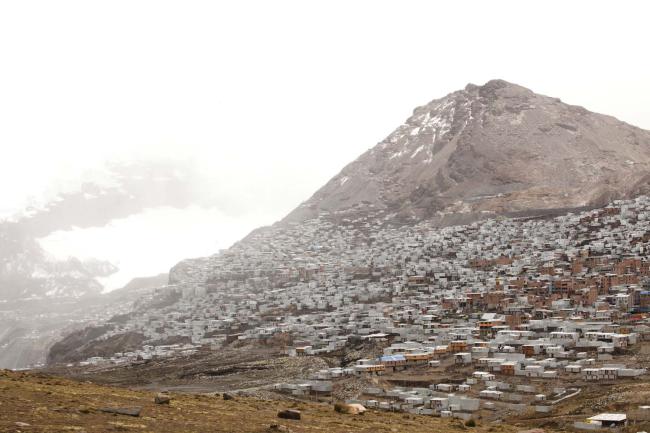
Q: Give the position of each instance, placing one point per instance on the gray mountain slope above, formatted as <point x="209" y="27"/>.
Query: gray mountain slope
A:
<point x="492" y="149"/>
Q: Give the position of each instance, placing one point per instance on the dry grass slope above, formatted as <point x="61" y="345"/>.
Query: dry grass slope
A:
<point x="52" y="404"/>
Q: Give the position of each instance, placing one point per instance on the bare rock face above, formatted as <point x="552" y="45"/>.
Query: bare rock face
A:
<point x="496" y="149"/>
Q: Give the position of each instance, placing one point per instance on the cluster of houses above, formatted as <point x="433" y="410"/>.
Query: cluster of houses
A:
<point x="541" y="298"/>
<point x="526" y="372"/>
<point x="145" y="353"/>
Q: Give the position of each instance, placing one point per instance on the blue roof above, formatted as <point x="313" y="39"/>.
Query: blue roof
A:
<point x="392" y="358"/>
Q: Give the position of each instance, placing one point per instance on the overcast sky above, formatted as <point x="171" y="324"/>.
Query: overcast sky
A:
<point x="273" y="98"/>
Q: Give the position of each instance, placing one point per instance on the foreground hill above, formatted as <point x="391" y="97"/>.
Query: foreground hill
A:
<point x="35" y="402"/>
<point x="492" y="149"/>
<point x="40" y="403"/>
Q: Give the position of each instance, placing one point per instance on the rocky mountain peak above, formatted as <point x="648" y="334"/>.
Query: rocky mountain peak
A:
<point x="488" y="150"/>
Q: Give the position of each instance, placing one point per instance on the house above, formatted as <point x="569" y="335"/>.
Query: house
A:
<point x="393" y="362"/>
<point x="508" y="368"/>
<point x="458" y="346"/>
<point x="609" y="420"/>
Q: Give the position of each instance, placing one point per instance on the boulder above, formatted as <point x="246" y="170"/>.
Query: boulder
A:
<point x="129" y="411"/>
<point x="162" y="399"/>
<point x="350" y="409"/>
<point x="227" y="396"/>
<point x="289" y="414"/>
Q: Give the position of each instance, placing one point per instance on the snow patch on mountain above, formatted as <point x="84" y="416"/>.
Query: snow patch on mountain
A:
<point x="499" y="141"/>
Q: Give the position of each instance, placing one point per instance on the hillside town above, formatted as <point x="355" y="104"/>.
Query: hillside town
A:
<point x="508" y="313"/>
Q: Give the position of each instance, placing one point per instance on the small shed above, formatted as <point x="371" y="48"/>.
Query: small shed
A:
<point x="609" y="419"/>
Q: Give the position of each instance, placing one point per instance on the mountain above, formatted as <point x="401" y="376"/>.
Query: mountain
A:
<point x="43" y="297"/>
<point x="26" y="271"/>
<point x="119" y="191"/>
<point x="30" y="325"/>
<point x="485" y="150"/>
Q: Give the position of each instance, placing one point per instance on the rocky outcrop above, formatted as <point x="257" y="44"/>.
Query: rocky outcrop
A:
<point x="87" y="343"/>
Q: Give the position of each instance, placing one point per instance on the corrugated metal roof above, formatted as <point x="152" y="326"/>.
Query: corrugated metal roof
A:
<point x="616" y="417"/>
<point x="392" y="358"/>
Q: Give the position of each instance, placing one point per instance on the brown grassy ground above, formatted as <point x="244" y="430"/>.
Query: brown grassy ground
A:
<point x="206" y="371"/>
<point x="53" y="404"/>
